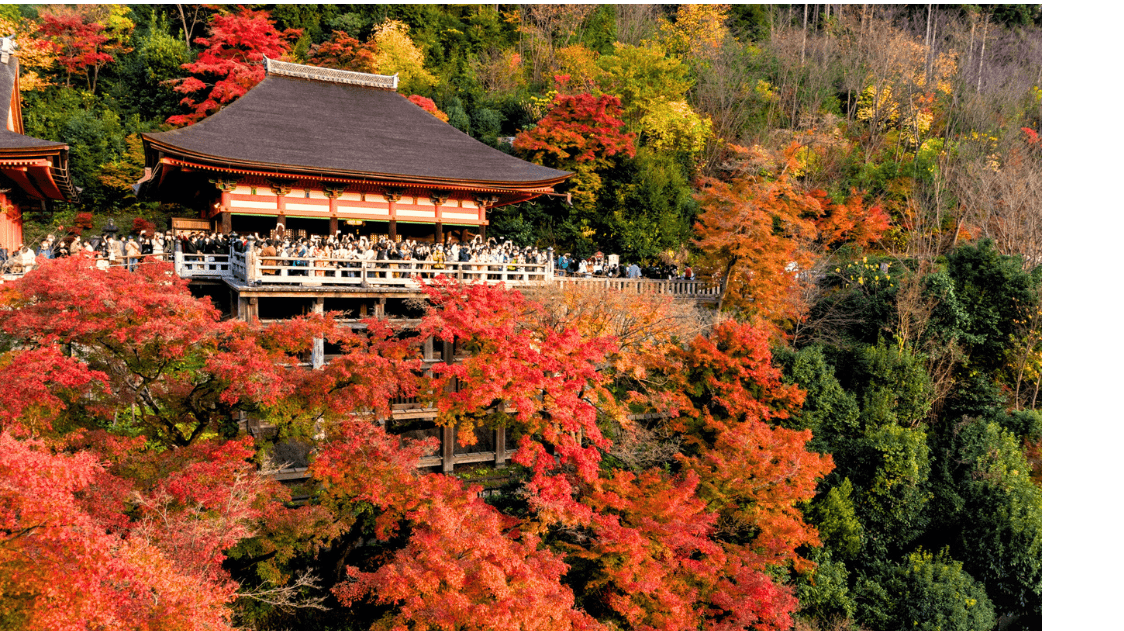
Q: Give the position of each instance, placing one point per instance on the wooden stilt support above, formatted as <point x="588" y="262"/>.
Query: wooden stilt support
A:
<point x="501" y="447"/>
<point x="448" y="442"/>
<point x="318" y="343"/>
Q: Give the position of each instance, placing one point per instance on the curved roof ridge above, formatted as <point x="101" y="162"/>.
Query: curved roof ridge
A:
<point x="331" y="75"/>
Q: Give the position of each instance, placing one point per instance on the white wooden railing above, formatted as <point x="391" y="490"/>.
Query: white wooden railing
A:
<point x="202" y="265"/>
<point x="246" y="268"/>
<point x="286" y="270"/>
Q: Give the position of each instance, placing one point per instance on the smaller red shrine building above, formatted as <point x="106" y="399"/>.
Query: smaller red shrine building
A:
<point x="321" y="149"/>
<point x="34" y="172"/>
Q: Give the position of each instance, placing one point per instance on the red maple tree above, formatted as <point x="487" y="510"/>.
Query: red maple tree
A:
<point x="341" y="51"/>
<point x="159" y="351"/>
<point x="231" y="63"/>
<point x="429" y="106"/>
<point x="80" y="44"/>
<point x="82" y="545"/>
<point x="579" y="128"/>
<point x="464" y="565"/>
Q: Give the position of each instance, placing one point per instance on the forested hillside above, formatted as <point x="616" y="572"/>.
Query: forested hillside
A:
<point x="853" y="441"/>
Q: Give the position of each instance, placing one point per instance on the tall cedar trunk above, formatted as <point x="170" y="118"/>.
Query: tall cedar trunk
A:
<point x="929" y="47"/>
<point x="971" y="49"/>
<point x="804" y="40"/>
<point x="983" y="47"/>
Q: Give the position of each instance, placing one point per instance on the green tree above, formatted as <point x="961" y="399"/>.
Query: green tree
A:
<point x="139" y="83"/>
<point x="998" y="296"/>
<point x="93" y="130"/>
<point x="643" y="77"/>
<point x="925" y="592"/>
<point x="988" y="510"/>
<point x="646" y="208"/>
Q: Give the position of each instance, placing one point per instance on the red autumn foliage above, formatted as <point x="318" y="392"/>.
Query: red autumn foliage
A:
<point x="739" y="468"/>
<point x="39" y="383"/>
<point x="660" y="566"/>
<point x="69" y="562"/>
<point x="341" y="51"/>
<point x="429" y="106"/>
<point x="463" y="565"/>
<point x="758" y="235"/>
<point x="231" y="63"/>
<point x="178" y="505"/>
<point x="144" y="227"/>
<point x="549" y="376"/>
<point x="752" y="471"/>
<point x="579" y="128"/>
<point x="82" y="222"/>
<point x="850" y="222"/>
<point x="79" y="43"/>
<point x="167" y="355"/>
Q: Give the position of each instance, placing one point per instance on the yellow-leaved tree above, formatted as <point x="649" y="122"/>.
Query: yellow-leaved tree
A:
<point x="389" y="50"/>
<point x="36" y="54"/>
<point x="395" y="53"/>
<point x="698" y="31"/>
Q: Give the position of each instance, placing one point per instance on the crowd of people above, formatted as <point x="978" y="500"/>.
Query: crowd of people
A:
<point x="107" y="249"/>
<point x="316" y="255"/>
<point x="313" y="255"/>
<point x="599" y="266"/>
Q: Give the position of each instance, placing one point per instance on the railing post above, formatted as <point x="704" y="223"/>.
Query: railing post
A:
<point x="178" y="263"/>
<point x="549" y="264"/>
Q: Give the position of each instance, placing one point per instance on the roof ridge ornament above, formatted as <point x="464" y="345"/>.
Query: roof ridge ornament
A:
<point x="330" y="75"/>
<point x="7" y="48"/>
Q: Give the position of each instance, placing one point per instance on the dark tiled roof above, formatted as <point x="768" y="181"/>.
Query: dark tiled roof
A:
<point x="328" y="127"/>
<point x="14" y="146"/>
<point x="10" y="139"/>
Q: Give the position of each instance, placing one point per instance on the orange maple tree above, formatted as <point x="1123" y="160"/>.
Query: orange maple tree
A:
<point x="762" y="235"/>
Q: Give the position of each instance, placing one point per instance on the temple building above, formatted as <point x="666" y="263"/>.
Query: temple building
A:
<point x="35" y="172"/>
<point x="313" y="150"/>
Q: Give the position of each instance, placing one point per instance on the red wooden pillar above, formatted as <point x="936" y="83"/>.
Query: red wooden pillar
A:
<point x="333" y="192"/>
<point x="11" y="225"/>
<point x="280" y="189"/>
<point x="438" y="198"/>
<point x="482" y="216"/>
<point x="392" y="198"/>
<point x="227" y="186"/>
